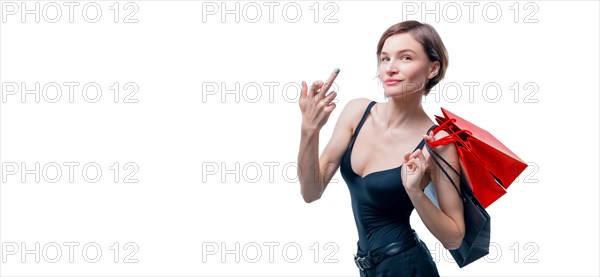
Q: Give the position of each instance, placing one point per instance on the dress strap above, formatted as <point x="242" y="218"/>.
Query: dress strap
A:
<point x="360" y="124"/>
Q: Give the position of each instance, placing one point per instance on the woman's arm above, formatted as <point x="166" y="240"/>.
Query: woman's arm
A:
<point x="446" y="223"/>
<point x="315" y="173"/>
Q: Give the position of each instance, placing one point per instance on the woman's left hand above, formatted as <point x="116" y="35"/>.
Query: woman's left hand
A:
<point x="414" y="167"/>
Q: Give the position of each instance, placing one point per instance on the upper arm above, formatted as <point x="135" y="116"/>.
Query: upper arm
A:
<point x="449" y="200"/>
<point x="333" y="152"/>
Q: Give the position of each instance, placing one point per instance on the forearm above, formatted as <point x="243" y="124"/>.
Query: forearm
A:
<point x="438" y="223"/>
<point x="309" y="175"/>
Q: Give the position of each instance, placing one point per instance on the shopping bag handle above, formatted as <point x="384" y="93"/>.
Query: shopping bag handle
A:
<point x="436" y="154"/>
<point x="452" y="135"/>
<point x="447" y="122"/>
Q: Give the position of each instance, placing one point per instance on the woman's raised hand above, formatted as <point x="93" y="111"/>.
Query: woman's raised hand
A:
<point x="315" y="104"/>
<point x="414" y="167"/>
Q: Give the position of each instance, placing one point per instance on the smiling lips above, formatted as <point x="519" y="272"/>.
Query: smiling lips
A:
<point x="392" y="81"/>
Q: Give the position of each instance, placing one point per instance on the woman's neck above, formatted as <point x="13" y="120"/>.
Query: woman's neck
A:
<point x="404" y="112"/>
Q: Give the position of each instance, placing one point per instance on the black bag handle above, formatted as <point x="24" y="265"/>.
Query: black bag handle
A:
<point x="442" y="168"/>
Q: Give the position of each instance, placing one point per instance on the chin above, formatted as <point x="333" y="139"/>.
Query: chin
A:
<point x="400" y="93"/>
<point x="394" y="93"/>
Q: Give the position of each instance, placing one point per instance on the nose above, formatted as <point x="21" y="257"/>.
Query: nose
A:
<point x="391" y="68"/>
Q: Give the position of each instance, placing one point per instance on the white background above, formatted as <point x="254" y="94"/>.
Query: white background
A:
<point x="181" y="128"/>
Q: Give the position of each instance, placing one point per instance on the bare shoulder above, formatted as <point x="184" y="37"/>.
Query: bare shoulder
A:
<point x="354" y="110"/>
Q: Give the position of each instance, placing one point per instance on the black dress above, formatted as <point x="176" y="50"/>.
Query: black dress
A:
<point x="382" y="212"/>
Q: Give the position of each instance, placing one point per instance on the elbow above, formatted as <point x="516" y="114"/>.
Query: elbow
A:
<point x="309" y="200"/>
<point x="452" y="245"/>
<point x="455" y="242"/>
<point x="309" y="197"/>
<point x="311" y="190"/>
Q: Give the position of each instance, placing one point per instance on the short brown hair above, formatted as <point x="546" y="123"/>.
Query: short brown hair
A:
<point x="429" y="39"/>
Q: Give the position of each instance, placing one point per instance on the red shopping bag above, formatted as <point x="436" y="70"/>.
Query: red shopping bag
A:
<point x="489" y="165"/>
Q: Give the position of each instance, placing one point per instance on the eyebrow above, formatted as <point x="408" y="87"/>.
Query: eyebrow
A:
<point x="401" y="51"/>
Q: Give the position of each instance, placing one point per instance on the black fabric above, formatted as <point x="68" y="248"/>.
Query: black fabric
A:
<point x="382" y="212"/>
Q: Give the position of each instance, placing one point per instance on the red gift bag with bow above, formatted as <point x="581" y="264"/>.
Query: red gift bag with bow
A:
<point x="489" y="165"/>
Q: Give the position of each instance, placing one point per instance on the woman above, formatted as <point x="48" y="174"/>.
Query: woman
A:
<point x="411" y="60"/>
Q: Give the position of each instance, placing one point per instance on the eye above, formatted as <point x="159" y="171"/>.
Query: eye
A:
<point x="384" y="58"/>
<point x="408" y="57"/>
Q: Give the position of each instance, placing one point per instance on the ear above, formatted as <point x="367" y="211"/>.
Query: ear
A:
<point x="435" y="67"/>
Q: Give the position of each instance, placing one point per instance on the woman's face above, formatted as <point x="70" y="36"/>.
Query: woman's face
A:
<point x="404" y="67"/>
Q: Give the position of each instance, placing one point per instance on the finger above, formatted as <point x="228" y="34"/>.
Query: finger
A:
<point x="304" y="90"/>
<point x="313" y="89"/>
<point x="419" y="158"/>
<point x="412" y="165"/>
<point x="429" y="136"/>
<point x="330" y="97"/>
<point x="415" y="154"/>
<point x="330" y="80"/>
<point x="421" y="155"/>
<point x="329" y="108"/>
<point x="407" y="156"/>
<point x="318" y="88"/>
